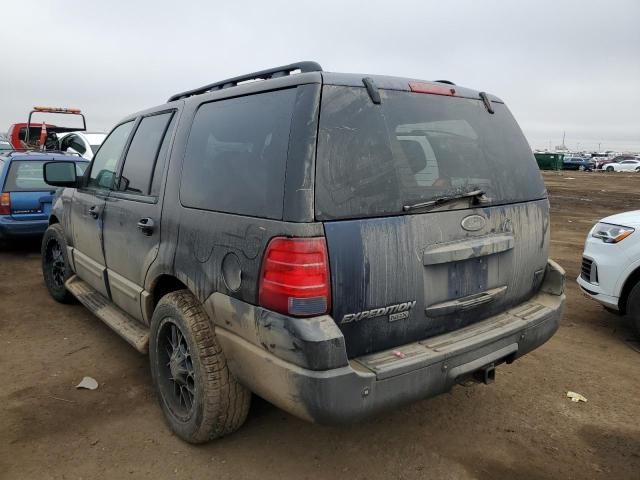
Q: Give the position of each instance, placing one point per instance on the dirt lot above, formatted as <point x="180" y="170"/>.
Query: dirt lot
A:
<point x="521" y="427"/>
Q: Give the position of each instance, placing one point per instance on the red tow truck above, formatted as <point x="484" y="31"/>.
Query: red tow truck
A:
<point x="42" y="136"/>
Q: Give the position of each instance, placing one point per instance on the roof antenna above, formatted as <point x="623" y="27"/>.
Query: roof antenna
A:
<point x="372" y="89"/>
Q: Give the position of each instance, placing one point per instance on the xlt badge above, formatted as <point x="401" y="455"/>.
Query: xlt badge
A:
<point x="396" y="312"/>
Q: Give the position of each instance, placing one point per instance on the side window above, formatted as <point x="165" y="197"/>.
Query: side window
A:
<point x="64" y="143"/>
<point x="103" y="168"/>
<point x="142" y="154"/>
<point x="236" y="155"/>
<point x="77" y="144"/>
<point x="156" y="180"/>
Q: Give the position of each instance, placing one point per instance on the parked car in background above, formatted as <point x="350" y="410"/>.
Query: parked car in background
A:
<point x="630" y="165"/>
<point x="25" y="198"/>
<point x="602" y="160"/>
<point x="578" y="163"/>
<point x="5" y="146"/>
<point x="338" y="245"/>
<point x="610" y="272"/>
<point x="85" y="144"/>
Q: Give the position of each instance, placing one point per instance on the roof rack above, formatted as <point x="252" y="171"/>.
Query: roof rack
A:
<point x="28" y="151"/>
<point x="275" y="72"/>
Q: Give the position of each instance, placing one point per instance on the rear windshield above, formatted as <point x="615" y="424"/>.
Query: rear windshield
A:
<point x="236" y="155"/>
<point x="374" y="159"/>
<point x="26" y="176"/>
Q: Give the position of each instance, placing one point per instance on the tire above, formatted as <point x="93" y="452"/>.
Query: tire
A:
<point x="581" y="168"/>
<point x="199" y="396"/>
<point x="55" y="264"/>
<point x="609" y="169"/>
<point x="633" y="308"/>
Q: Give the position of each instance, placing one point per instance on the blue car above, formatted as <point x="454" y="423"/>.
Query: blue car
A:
<point x="578" y="163"/>
<point x="25" y="198"/>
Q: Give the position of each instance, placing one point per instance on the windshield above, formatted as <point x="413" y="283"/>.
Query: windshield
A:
<point x="373" y="159"/>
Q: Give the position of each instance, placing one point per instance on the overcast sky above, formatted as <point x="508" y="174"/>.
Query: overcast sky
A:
<point x="560" y="65"/>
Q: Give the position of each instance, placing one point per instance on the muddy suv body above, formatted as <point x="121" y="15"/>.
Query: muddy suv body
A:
<point x="348" y="243"/>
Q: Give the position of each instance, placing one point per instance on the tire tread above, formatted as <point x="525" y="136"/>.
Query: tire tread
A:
<point x="225" y="402"/>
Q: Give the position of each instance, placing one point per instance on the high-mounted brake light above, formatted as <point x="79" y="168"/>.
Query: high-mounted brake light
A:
<point x="421" y="87"/>
<point x="5" y="204"/>
<point x="56" y="110"/>
<point x="295" y="277"/>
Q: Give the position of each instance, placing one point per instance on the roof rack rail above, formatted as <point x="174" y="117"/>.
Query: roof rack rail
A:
<point x="448" y="82"/>
<point x="30" y="151"/>
<point x="275" y="72"/>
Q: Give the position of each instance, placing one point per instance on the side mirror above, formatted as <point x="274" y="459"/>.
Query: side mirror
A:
<point x="60" y="174"/>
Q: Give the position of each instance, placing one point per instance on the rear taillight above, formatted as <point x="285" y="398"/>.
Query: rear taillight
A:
<point x="5" y="204"/>
<point x="295" y="277"/>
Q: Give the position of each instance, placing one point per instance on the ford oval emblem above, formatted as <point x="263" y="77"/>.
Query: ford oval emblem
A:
<point x="473" y="223"/>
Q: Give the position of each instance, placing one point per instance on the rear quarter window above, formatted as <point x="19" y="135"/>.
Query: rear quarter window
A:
<point x="236" y="155"/>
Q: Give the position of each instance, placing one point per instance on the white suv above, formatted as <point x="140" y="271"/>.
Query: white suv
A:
<point x="610" y="272"/>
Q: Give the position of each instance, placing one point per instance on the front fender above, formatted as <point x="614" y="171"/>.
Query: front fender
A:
<point x="626" y="273"/>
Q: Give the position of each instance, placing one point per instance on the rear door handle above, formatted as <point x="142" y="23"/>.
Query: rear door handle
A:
<point x="94" y="211"/>
<point x="146" y="225"/>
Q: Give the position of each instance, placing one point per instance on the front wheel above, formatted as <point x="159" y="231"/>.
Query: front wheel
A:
<point x="609" y="169"/>
<point x="55" y="264"/>
<point x="199" y="396"/>
<point x="581" y="168"/>
<point x="633" y="307"/>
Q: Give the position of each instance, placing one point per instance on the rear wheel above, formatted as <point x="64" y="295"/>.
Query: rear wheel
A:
<point x="55" y="264"/>
<point x="633" y="307"/>
<point x="199" y="396"/>
<point x="581" y="168"/>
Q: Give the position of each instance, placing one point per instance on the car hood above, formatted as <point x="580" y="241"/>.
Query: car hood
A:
<point x="626" y="219"/>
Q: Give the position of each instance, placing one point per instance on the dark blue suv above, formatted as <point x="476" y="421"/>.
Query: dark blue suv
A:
<point x="25" y="198"/>
<point x="337" y="244"/>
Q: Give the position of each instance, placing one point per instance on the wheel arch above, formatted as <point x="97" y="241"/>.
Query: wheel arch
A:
<point x="161" y="286"/>
<point x="632" y="279"/>
<point x="53" y="219"/>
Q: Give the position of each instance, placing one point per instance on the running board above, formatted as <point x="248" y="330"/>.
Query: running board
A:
<point x="123" y="324"/>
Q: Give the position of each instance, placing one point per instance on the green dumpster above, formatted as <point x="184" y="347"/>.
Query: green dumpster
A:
<point x="549" y="161"/>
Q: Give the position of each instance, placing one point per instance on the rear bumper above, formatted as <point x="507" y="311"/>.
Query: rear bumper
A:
<point x="10" y="227"/>
<point x="367" y="385"/>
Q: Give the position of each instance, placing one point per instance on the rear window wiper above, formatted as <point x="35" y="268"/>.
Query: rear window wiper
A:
<point x="442" y="200"/>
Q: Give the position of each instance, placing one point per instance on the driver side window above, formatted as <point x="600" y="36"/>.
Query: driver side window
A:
<point x="103" y="168"/>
